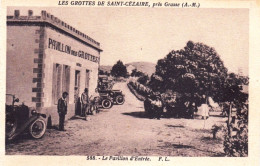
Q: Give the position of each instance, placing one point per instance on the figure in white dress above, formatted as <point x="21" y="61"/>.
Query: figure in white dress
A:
<point x="203" y="110"/>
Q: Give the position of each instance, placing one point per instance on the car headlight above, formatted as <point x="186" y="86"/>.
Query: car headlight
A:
<point x="33" y="112"/>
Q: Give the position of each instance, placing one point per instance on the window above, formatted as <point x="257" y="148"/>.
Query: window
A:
<point x="56" y="83"/>
<point x="60" y="81"/>
<point x="66" y="80"/>
<point x="87" y="79"/>
<point x="77" y="78"/>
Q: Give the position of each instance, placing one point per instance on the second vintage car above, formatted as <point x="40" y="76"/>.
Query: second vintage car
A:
<point x="110" y="97"/>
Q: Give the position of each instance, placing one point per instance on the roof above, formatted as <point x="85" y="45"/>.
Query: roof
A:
<point x="47" y="18"/>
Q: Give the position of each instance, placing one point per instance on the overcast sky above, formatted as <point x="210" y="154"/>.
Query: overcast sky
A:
<point x="148" y="34"/>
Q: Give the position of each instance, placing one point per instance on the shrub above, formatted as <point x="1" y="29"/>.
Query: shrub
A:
<point x="215" y="129"/>
<point x="143" y="79"/>
<point x="236" y="141"/>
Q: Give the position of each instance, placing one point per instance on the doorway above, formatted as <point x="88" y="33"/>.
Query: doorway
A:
<point x="76" y="93"/>
<point x="87" y="79"/>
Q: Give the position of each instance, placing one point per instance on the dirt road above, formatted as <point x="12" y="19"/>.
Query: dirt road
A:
<point x="124" y="130"/>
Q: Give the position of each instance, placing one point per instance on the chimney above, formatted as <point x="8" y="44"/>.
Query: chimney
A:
<point x="16" y="13"/>
<point x="44" y="14"/>
<point x="30" y="13"/>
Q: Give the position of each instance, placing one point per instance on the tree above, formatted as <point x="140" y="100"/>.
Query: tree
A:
<point x="143" y="79"/>
<point x="119" y="70"/>
<point x="232" y="89"/>
<point x="236" y="135"/>
<point x="196" y="69"/>
<point x="101" y="72"/>
<point x="136" y="73"/>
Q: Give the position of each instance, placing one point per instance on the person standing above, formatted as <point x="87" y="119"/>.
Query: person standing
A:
<point x="203" y="110"/>
<point x="85" y="103"/>
<point x="62" y="110"/>
<point x="157" y="107"/>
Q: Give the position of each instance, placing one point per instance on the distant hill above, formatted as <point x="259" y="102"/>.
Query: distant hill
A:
<point x="145" y="67"/>
<point x="106" y="68"/>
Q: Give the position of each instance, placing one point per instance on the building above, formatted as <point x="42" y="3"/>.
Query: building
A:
<point x="45" y="57"/>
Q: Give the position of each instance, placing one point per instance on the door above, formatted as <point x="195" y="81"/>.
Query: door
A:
<point x="76" y="93"/>
<point x="87" y="79"/>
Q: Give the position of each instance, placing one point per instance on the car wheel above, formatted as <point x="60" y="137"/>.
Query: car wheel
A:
<point x="120" y="100"/>
<point x="37" y="128"/>
<point x="106" y="103"/>
<point x="10" y="125"/>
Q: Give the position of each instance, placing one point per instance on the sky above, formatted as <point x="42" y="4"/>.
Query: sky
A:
<point x="149" y="34"/>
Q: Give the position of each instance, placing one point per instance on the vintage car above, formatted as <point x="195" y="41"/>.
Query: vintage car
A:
<point x="22" y="119"/>
<point x="104" y="82"/>
<point x="110" y="97"/>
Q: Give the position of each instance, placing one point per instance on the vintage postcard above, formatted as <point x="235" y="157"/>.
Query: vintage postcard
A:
<point x="130" y="82"/>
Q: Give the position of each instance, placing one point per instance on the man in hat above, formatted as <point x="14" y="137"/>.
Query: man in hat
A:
<point x="157" y="106"/>
<point x="85" y="103"/>
<point x="62" y="110"/>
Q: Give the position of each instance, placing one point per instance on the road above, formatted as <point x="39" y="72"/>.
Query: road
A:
<point x="125" y="130"/>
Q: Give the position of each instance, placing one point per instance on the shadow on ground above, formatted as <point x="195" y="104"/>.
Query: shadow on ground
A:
<point x="18" y="139"/>
<point x="219" y="116"/>
<point x="191" y="148"/>
<point x="77" y="117"/>
<point x="140" y="114"/>
<point x="175" y="126"/>
<point x="136" y="114"/>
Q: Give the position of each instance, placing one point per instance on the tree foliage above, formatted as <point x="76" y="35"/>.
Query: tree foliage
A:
<point x="119" y="70"/>
<point x="136" y="73"/>
<point x="143" y="79"/>
<point x="236" y="138"/>
<point x="236" y="143"/>
<point x="232" y="89"/>
<point x="102" y="72"/>
<point x="196" y="69"/>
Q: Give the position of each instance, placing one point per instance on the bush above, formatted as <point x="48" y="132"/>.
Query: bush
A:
<point x="236" y="142"/>
<point x="140" y="88"/>
<point x="215" y="129"/>
<point x="136" y="73"/>
<point x="143" y="79"/>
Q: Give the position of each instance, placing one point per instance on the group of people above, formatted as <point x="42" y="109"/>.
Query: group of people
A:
<point x="176" y="107"/>
<point x="153" y="105"/>
<point x="63" y="107"/>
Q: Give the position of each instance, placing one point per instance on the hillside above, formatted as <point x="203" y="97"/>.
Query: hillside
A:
<point x="145" y="67"/>
<point x="106" y="68"/>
